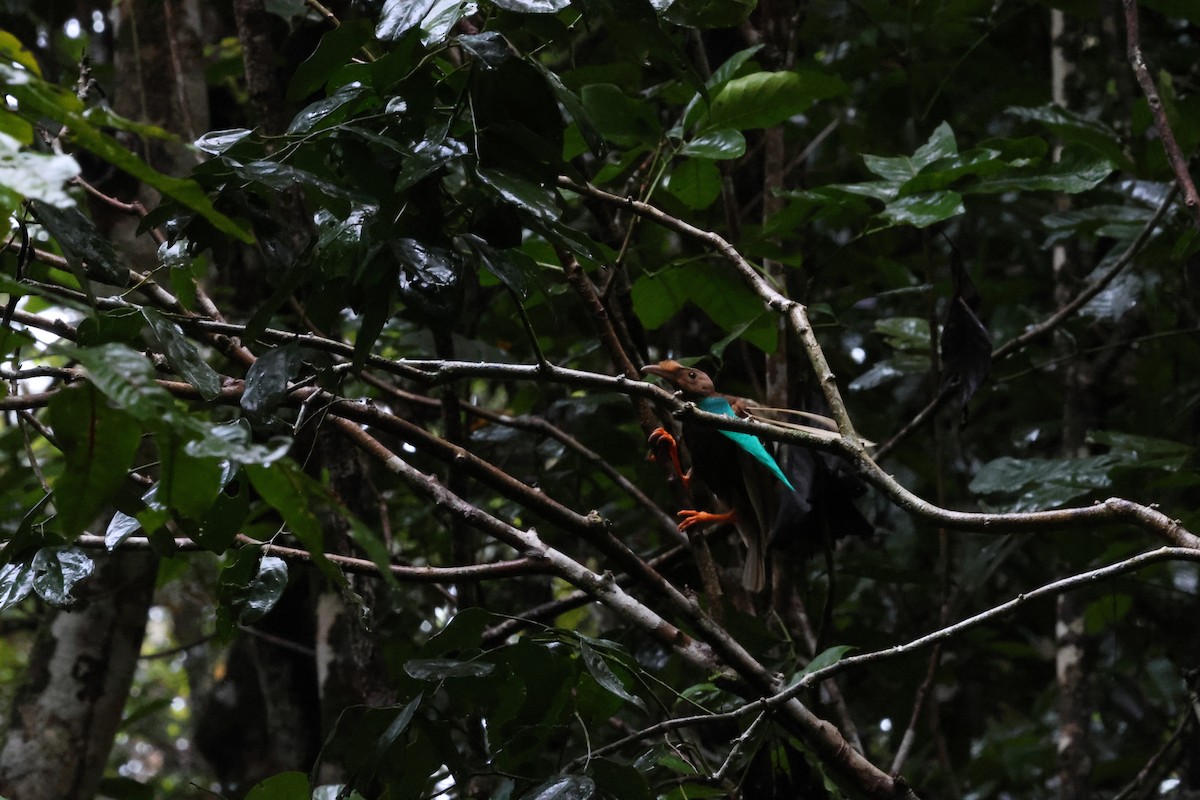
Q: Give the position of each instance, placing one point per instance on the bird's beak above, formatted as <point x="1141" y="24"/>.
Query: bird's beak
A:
<point x="656" y="370"/>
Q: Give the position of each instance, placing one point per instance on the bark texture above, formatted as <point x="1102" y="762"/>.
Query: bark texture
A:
<point x="68" y="709"/>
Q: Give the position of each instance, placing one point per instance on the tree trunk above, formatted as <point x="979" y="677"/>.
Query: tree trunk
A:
<point x="69" y="706"/>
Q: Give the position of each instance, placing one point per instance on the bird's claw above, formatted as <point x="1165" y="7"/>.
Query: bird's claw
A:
<point x="660" y="437"/>
<point x="689" y="518"/>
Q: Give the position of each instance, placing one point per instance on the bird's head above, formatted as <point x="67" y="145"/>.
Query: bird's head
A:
<point x="689" y="380"/>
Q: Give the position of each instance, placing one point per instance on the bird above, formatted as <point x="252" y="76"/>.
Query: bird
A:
<point x="735" y="466"/>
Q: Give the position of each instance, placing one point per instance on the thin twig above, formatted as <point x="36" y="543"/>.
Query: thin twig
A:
<point x="1179" y="163"/>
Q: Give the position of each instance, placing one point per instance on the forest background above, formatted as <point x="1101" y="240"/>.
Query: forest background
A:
<point x="324" y="450"/>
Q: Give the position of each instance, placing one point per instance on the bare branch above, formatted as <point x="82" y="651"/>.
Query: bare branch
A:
<point x="1174" y="155"/>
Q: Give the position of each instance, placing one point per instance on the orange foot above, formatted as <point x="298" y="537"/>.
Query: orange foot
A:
<point x="690" y="518"/>
<point x="659" y="437"/>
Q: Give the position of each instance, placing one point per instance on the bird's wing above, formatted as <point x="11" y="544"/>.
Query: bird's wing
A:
<point x="746" y="441"/>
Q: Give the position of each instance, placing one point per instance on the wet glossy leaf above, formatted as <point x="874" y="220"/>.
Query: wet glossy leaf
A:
<point x="57" y="570"/>
<point x="98" y="443"/>
<point x="182" y="355"/>
<point x="566" y="787"/>
<point x="233" y="441"/>
<point x="128" y="379"/>
<point x="430" y="280"/>
<point x="120" y="528"/>
<point x="39" y="99"/>
<point x="537" y="199"/>
<point x="333" y="51"/>
<point x="436" y="669"/>
<point x="941" y="144"/>
<point x="924" y="210"/>
<point x="717" y="144"/>
<point x="400" y="16"/>
<point x="1142" y="452"/>
<point x="1037" y="483"/>
<point x="514" y="269"/>
<point x="33" y="175"/>
<point x="81" y="242"/>
<point x="489" y="49"/>
<point x="763" y="99"/>
<point x="16" y="583"/>
<point x="268" y="377"/>
<point x="217" y="142"/>
<point x="331" y="110"/>
<point x="604" y="674"/>
<point x="263" y="591"/>
<point x="1069" y="176"/>
<point x="533" y="6"/>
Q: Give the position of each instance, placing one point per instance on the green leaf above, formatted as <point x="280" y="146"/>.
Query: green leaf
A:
<point x="599" y="669"/>
<point x="924" y="210"/>
<point x="540" y="200"/>
<point x="57" y="570"/>
<point x="904" y="333"/>
<point x="128" y="379"/>
<point x="764" y="99"/>
<point x="1074" y="128"/>
<point x="1040" y="483"/>
<point x="333" y="51"/>
<point x="730" y="304"/>
<point x="217" y="142"/>
<point x="400" y="16"/>
<point x="533" y="6"/>
<point x="436" y="669"/>
<point x="1070" y="176"/>
<point x="709" y="13"/>
<point x="233" y="441"/>
<point x="33" y="175"/>
<point x="182" y="355"/>
<point x="36" y="98"/>
<point x="898" y="169"/>
<point x="293" y="495"/>
<point x="283" y="786"/>
<point x="268" y="377"/>
<point x="696" y="183"/>
<point x="1142" y="452"/>
<point x="98" y="444"/>
<point x="16" y="583"/>
<point x="565" y="787"/>
<point x="620" y="118"/>
<point x="81" y="242"/>
<point x="717" y="144"/>
<point x="331" y="110"/>
<point x="827" y="657"/>
<point x="259" y="596"/>
<point x="187" y="485"/>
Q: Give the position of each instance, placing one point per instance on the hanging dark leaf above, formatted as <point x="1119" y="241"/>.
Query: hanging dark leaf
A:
<point x="966" y="346"/>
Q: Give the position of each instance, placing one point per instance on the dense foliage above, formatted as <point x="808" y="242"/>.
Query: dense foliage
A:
<point x="363" y="389"/>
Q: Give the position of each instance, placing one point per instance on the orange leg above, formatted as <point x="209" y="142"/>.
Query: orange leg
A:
<point x="690" y="518"/>
<point x="659" y="437"/>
